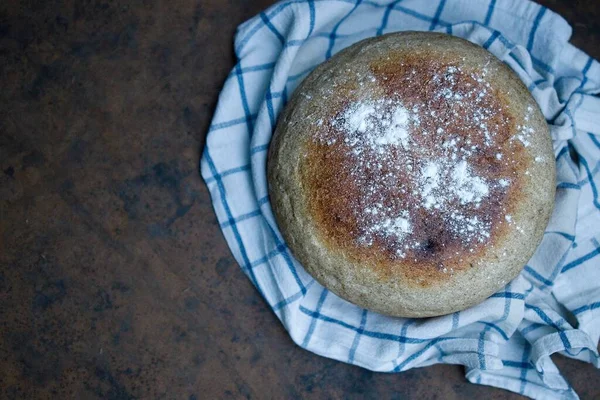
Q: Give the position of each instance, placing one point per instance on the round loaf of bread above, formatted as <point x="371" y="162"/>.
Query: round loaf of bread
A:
<point x="412" y="174"/>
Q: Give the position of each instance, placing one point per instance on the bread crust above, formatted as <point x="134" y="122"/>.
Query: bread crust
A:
<point x="319" y="226"/>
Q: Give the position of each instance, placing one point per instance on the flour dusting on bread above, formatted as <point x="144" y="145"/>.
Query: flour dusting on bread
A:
<point x="416" y="157"/>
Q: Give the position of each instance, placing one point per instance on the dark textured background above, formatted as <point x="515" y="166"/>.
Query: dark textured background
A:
<point x="115" y="280"/>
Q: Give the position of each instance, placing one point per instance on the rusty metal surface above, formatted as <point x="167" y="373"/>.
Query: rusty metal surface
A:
<point x="115" y="280"/>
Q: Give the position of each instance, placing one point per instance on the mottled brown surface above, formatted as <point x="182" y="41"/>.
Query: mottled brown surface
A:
<point x="338" y="194"/>
<point x="115" y="281"/>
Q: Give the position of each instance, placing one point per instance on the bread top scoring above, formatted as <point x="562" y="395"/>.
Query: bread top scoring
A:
<point x="416" y="166"/>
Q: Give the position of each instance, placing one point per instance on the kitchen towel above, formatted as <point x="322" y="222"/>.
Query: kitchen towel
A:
<point x="552" y="306"/>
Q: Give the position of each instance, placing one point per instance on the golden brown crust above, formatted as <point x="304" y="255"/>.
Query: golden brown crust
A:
<point x="365" y="219"/>
<point x="333" y="195"/>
